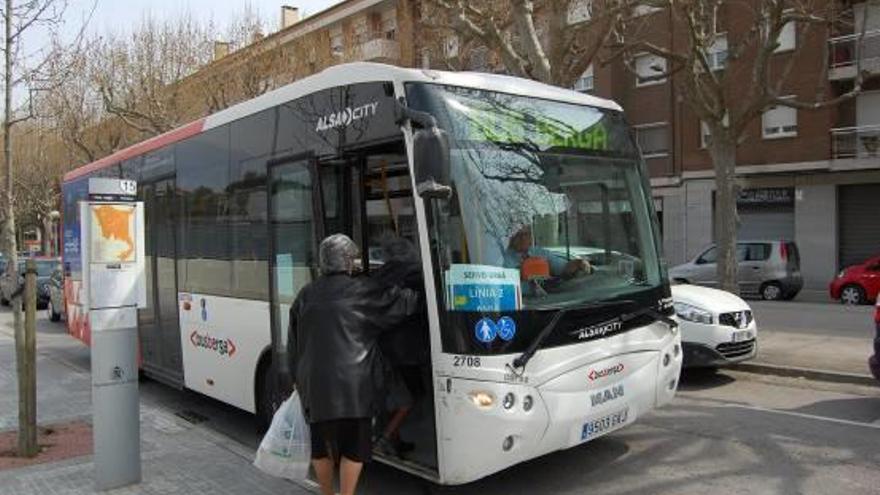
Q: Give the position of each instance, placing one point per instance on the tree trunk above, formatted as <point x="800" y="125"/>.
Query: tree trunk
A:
<point x="723" y="152"/>
<point x="7" y="234"/>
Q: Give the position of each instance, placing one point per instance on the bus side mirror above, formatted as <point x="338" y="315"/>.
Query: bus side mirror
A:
<point x="431" y="162"/>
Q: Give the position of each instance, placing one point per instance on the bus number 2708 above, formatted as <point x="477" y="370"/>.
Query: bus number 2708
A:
<point x="466" y="361"/>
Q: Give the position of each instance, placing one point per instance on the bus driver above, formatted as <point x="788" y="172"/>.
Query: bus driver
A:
<point x="536" y="263"/>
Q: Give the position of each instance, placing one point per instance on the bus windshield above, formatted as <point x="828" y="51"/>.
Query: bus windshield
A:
<point x="550" y="209"/>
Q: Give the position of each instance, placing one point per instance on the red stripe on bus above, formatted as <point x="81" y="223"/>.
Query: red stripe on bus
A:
<point x="151" y="144"/>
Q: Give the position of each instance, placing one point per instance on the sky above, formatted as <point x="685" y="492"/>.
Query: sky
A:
<point x="116" y="15"/>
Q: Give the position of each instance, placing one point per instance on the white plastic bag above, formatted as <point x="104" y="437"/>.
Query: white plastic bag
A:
<point x="286" y="450"/>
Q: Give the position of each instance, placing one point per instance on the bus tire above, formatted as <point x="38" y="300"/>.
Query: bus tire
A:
<point x="268" y="395"/>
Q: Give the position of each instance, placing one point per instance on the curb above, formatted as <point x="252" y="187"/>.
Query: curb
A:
<point x="809" y="373"/>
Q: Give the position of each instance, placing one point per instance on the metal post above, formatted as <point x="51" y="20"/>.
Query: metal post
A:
<point x="27" y="369"/>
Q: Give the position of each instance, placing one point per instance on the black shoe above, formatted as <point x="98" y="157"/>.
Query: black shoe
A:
<point x="403" y="446"/>
<point x="385" y="447"/>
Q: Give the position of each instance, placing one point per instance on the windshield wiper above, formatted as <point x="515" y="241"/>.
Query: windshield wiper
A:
<point x="653" y="313"/>
<point x="523" y="359"/>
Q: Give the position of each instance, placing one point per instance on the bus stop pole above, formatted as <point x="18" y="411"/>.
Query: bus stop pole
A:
<point x="27" y="369"/>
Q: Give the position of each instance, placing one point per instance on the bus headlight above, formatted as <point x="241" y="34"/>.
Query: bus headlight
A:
<point x="482" y="399"/>
<point x="528" y="402"/>
<point x="509" y="400"/>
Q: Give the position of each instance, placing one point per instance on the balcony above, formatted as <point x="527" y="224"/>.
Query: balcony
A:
<point x="855" y="142"/>
<point x="378" y="48"/>
<point x="846" y="52"/>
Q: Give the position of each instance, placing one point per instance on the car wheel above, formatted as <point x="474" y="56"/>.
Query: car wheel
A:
<point x="50" y="311"/>
<point x="852" y="294"/>
<point x="4" y="301"/>
<point x="771" y="291"/>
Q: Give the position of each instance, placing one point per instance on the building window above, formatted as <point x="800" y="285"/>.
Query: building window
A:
<point x="579" y="11"/>
<point x="337" y="42"/>
<point x="717" y="53"/>
<point x="360" y="29"/>
<point x="645" y="10"/>
<point x="450" y="46"/>
<point x="706" y="135"/>
<point x="585" y="82"/>
<point x="780" y="122"/>
<point x="389" y="24"/>
<point x="653" y="139"/>
<point x="479" y="59"/>
<point x="648" y="69"/>
<point x="787" y="39"/>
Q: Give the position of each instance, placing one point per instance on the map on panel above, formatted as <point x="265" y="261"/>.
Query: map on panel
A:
<point x="113" y="233"/>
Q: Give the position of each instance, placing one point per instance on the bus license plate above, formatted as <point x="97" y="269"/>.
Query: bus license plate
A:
<point x="597" y="427"/>
<point x="741" y="336"/>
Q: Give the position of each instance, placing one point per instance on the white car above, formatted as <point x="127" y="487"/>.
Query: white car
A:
<point x="717" y="327"/>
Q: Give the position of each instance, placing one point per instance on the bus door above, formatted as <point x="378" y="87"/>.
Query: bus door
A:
<point x="293" y="236"/>
<point x="383" y="208"/>
<point x="158" y="323"/>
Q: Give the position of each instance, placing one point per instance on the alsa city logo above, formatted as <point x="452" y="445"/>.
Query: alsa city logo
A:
<point x="597" y="331"/>
<point x="223" y="347"/>
<point x="346" y="116"/>
<point x="611" y="370"/>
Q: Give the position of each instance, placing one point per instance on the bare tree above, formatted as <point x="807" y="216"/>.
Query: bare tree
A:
<point x="729" y="78"/>
<point x="136" y="76"/>
<point x="75" y="110"/>
<point x="254" y="65"/>
<point x="552" y="41"/>
<point x="21" y="70"/>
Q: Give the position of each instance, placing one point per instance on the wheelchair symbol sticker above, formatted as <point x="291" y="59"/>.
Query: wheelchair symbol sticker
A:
<point x="506" y="328"/>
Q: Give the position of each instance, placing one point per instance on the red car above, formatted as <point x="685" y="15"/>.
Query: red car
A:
<point x="857" y="284"/>
<point x="874" y="361"/>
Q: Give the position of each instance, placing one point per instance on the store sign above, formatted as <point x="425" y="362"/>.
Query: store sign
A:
<point x="777" y="196"/>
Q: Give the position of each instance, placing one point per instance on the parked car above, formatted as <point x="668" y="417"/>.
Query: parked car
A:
<point x="770" y="270"/>
<point x="858" y="284"/>
<point x="874" y="361"/>
<point x="55" y="308"/>
<point x="717" y="327"/>
<point x="45" y="267"/>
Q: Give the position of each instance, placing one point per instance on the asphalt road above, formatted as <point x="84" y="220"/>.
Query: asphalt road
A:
<point x="725" y="433"/>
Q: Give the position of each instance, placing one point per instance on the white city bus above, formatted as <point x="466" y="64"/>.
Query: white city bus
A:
<point x="504" y="184"/>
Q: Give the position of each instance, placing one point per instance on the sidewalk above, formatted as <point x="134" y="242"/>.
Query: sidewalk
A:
<point x="177" y="456"/>
<point x="824" y="341"/>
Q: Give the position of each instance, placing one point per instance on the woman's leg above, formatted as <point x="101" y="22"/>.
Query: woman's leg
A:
<point x="349" y="473"/>
<point x="324" y="473"/>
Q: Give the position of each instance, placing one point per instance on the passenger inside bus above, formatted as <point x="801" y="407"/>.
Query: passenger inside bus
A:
<point x="405" y="427"/>
<point x="406" y="347"/>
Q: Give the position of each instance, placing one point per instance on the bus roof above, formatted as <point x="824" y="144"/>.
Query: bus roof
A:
<point x="338" y="75"/>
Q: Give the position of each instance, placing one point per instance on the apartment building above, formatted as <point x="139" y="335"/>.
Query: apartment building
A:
<point x="812" y="176"/>
<point x="809" y="176"/>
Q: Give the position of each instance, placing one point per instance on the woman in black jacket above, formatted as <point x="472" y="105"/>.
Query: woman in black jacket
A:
<point x="335" y="324"/>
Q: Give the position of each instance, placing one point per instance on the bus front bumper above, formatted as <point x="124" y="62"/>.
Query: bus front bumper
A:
<point x="489" y="426"/>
